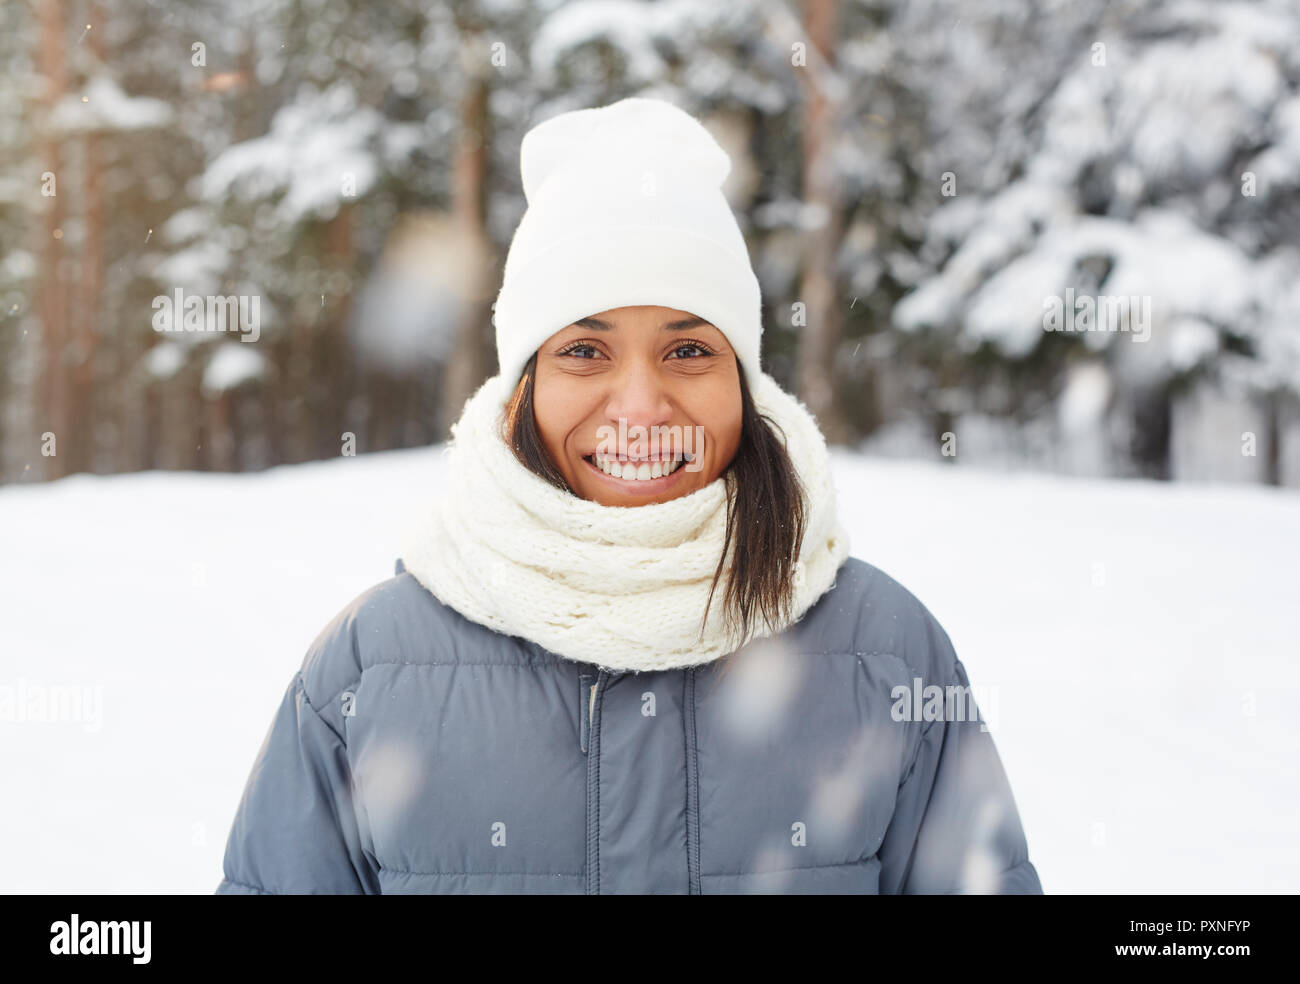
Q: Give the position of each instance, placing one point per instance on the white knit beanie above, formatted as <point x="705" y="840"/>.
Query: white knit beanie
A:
<point x="625" y="207"/>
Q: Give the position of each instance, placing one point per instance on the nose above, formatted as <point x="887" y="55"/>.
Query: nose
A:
<point x="637" y="394"/>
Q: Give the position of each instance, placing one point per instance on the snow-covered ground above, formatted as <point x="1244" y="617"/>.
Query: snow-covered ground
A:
<point x="1140" y="640"/>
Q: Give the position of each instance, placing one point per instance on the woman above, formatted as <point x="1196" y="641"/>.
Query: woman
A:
<point x="630" y="653"/>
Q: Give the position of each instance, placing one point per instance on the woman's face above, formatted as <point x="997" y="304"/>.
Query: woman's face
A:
<point x="638" y="405"/>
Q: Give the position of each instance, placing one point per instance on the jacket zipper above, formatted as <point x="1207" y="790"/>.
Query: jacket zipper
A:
<point x="692" y="787"/>
<point x="592" y="749"/>
<point x="591" y="691"/>
<point x="586" y="707"/>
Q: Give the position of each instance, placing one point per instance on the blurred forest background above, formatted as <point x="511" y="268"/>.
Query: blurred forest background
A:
<point x="914" y="178"/>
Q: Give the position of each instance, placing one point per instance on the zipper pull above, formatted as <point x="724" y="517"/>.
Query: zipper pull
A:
<point x="586" y="708"/>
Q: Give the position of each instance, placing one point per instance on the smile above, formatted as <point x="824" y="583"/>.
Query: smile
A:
<point x="629" y="471"/>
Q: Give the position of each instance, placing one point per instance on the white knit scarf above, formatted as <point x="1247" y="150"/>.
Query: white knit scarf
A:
<point x="621" y="587"/>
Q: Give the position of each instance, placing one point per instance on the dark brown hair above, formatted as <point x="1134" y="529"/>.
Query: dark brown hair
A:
<point x="766" y="513"/>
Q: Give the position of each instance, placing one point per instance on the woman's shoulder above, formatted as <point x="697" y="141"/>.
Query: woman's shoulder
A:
<point x="391" y="621"/>
<point x="400" y="621"/>
<point x="868" y="613"/>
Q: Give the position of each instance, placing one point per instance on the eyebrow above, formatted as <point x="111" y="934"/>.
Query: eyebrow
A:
<point x="679" y="325"/>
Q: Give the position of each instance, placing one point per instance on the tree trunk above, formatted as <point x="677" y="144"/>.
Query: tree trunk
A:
<point x="335" y="366"/>
<point x="52" y="415"/>
<point x="820" y="335"/>
<point x="473" y="356"/>
<point x="81" y="410"/>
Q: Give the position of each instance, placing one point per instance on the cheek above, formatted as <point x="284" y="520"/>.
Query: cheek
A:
<point x="728" y="440"/>
<point x="722" y="423"/>
<point x="555" y="418"/>
<point x="554" y="442"/>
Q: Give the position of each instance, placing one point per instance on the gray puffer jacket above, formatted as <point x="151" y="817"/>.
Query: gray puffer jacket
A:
<point x="417" y="752"/>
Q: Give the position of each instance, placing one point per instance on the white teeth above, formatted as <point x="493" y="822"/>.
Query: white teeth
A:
<point x="634" y="471"/>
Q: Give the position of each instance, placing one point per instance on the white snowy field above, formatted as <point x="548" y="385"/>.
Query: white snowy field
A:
<point x="1140" y="640"/>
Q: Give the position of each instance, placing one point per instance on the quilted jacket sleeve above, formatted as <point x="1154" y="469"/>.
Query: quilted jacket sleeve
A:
<point x="295" y="831"/>
<point x="955" y="829"/>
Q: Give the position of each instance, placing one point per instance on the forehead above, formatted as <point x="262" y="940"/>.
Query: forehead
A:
<point x="642" y="312"/>
<point x="642" y="318"/>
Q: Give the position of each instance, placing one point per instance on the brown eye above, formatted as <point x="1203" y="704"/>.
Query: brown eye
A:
<point x="694" y="349"/>
<point x="580" y="350"/>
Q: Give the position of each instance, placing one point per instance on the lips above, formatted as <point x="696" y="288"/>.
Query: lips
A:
<point x="630" y="469"/>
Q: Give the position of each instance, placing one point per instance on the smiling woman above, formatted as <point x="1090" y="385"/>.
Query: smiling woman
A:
<point x="660" y="371"/>
<point x="530" y="539"/>
<point x="541" y="699"/>
<point x="643" y="368"/>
